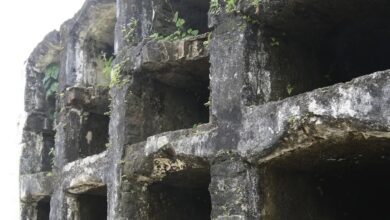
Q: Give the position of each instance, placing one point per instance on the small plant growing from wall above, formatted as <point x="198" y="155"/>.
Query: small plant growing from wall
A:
<point x="52" y="154"/>
<point x="256" y="3"/>
<point x="207" y="42"/>
<point x="180" y="33"/>
<point x="231" y="6"/>
<point x="107" y="65"/>
<point x="115" y="73"/>
<point x="215" y="7"/>
<point x="50" y="81"/>
<point x="112" y="71"/>
<point x="289" y="89"/>
<point x="129" y="29"/>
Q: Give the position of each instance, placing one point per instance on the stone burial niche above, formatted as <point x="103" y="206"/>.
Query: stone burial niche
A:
<point x="347" y="180"/>
<point x="89" y="205"/>
<point x="93" y="204"/>
<point x="312" y="44"/>
<point x="41" y="96"/>
<point x="172" y="80"/>
<point x="177" y="91"/>
<point x="96" y="47"/>
<point x="194" y="13"/>
<point x="86" y="100"/>
<point x="43" y="209"/>
<point x="181" y="194"/>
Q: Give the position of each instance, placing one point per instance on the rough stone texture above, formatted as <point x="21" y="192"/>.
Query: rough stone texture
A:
<point x="280" y="111"/>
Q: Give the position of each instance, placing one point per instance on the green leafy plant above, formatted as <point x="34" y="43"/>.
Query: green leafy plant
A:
<point x="116" y="79"/>
<point x="107" y="65"/>
<point x="207" y="42"/>
<point x="231" y="6"/>
<point x="274" y="42"/>
<point x="115" y="76"/>
<point x="180" y="32"/>
<point x="129" y="29"/>
<point x="289" y="89"/>
<point x="256" y="2"/>
<point x="156" y="36"/>
<point x="50" y="81"/>
<point x="215" y="7"/>
<point x="52" y="154"/>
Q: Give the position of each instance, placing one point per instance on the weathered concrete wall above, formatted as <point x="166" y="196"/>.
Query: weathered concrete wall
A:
<point x="269" y="111"/>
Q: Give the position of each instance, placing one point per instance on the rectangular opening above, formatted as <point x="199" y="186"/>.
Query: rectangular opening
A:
<point x="43" y="209"/>
<point x="178" y="102"/>
<point x="48" y="151"/>
<point x="93" y="204"/>
<point x="312" y="44"/>
<point x="94" y="134"/>
<point x="182" y="195"/>
<point x="348" y="181"/>
<point x="171" y="91"/>
<point x="194" y="13"/>
<point x="97" y="46"/>
<point x="86" y="121"/>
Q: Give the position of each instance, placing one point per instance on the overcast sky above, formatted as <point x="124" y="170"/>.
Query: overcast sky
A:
<point x="23" y="25"/>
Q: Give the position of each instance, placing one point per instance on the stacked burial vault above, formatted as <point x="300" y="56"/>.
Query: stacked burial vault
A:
<point x="277" y="109"/>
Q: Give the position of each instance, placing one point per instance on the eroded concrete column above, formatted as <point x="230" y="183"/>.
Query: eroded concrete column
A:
<point x="73" y="208"/>
<point x="29" y="210"/>
<point x="233" y="188"/>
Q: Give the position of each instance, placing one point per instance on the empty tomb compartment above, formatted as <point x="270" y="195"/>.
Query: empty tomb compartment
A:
<point x="41" y="96"/>
<point x="173" y="97"/>
<point x="168" y="74"/>
<point x="94" y="48"/>
<point x="192" y="15"/>
<point x="346" y="180"/>
<point x="170" y="87"/>
<point x="179" y="66"/>
<point x="83" y="129"/>
<point x="183" y="191"/>
<point x="94" y="135"/>
<point x="43" y="209"/>
<point x="312" y="44"/>
<point x="88" y="205"/>
<point x="84" y="113"/>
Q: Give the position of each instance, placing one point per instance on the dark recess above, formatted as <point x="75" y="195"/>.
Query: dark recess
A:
<point x="183" y="195"/>
<point x="93" y="204"/>
<point x="348" y="181"/>
<point x="43" y="208"/>
<point x="312" y="44"/>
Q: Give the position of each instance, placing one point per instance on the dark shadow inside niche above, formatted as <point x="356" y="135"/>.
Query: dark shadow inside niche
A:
<point x="50" y="86"/>
<point x="93" y="204"/>
<point x="43" y="209"/>
<point x="312" y="44"/>
<point x="194" y="12"/>
<point x="348" y="181"/>
<point x="170" y="99"/>
<point x="48" y="151"/>
<point x="182" y="195"/>
<point x="50" y="82"/>
<point x="174" y="108"/>
<point x="46" y="97"/>
<point x="94" y="134"/>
